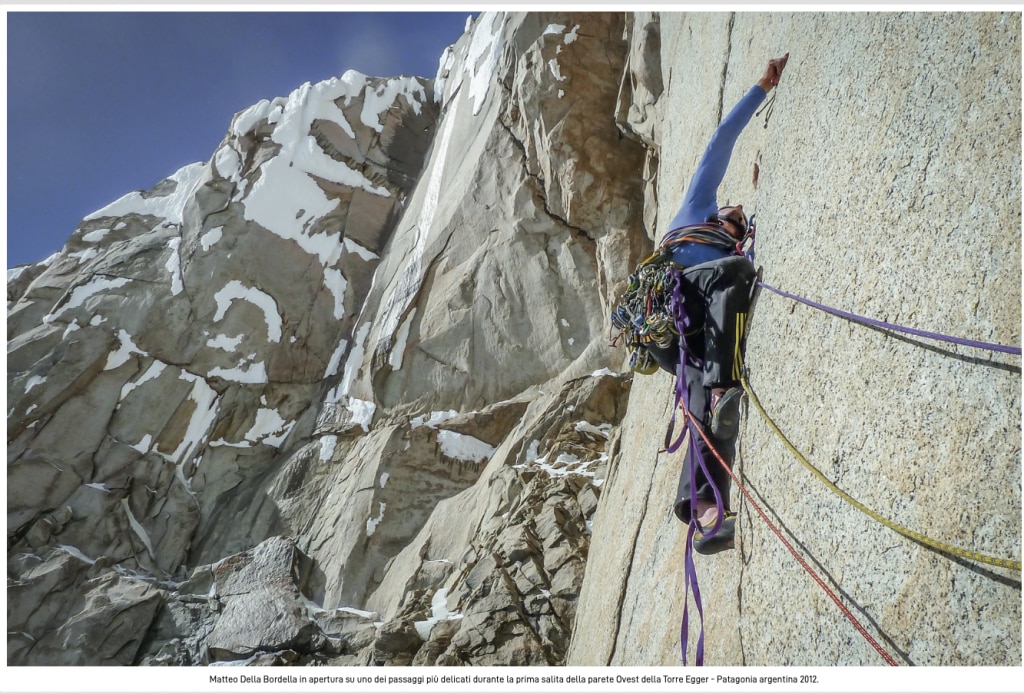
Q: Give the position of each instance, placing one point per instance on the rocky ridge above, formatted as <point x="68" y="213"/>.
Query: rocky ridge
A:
<point x="262" y="412"/>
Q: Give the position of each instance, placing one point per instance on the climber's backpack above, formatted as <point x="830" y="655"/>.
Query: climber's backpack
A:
<point x="646" y="313"/>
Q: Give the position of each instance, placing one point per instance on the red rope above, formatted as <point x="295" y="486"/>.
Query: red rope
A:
<point x="835" y="598"/>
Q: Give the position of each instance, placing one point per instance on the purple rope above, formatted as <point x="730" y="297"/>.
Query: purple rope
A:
<point x="891" y="326"/>
<point x="682" y="321"/>
<point x="691" y="576"/>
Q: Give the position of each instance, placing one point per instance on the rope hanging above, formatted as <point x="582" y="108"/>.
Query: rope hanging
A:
<point x="906" y="532"/>
<point x="768" y="108"/>
<point x="835" y="598"/>
<point x="892" y="326"/>
<point x="681" y="324"/>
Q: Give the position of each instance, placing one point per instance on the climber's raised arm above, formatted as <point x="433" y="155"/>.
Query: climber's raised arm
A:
<point x="701" y="200"/>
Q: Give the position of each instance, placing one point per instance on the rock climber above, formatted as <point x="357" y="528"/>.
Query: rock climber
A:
<point x="716" y="284"/>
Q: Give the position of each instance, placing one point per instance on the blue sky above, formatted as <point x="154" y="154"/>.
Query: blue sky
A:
<point x="103" y="103"/>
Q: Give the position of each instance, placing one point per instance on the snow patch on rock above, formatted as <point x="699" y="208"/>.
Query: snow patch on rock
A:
<point x="372" y="523"/>
<point x="235" y="290"/>
<point x="80" y="294"/>
<point x="120" y="356"/>
<point x="464" y="447"/>
<point x="170" y="207"/>
<point x="438" y="613"/>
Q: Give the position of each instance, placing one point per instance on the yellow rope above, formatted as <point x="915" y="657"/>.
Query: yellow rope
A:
<point x="923" y="539"/>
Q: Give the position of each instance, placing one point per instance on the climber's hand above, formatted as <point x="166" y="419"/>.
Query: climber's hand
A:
<point x="773" y="72"/>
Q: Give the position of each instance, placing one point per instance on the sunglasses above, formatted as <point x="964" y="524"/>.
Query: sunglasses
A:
<point x="739" y="219"/>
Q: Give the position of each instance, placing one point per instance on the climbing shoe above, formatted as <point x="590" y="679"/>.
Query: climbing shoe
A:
<point x="725" y="415"/>
<point x="724" y="539"/>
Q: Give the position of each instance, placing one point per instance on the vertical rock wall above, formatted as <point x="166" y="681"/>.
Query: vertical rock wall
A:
<point x="342" y="394"/>
<point x="886" y="183"/>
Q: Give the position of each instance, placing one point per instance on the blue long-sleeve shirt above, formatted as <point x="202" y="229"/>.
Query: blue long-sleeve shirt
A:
<point x="701" y="200"/>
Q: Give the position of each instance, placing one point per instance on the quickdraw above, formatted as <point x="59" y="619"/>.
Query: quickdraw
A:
<point x="644" y="313"/>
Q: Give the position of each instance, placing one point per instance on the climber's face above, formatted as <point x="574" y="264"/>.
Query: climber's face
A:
<point x="733" y="220"/>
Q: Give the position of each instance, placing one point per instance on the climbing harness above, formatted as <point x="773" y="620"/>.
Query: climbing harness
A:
<point x="916" y="536"/>
<point x="813" y="574"/>
<point x="701" y="233"/>
<point x="892" y="326"/>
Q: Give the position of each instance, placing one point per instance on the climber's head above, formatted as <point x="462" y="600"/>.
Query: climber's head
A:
<point x="733" y="220"/>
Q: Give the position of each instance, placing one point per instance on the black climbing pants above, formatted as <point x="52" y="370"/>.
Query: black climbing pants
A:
<point x="716" y="296"/>
<point x="700" y="397"/>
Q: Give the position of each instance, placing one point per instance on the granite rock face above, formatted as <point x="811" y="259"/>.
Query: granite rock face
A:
<point x="344" y="394"/>
<point x="341" y="394"/>
<point x="886" y="183"/>
<point x="165" y="359"/>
